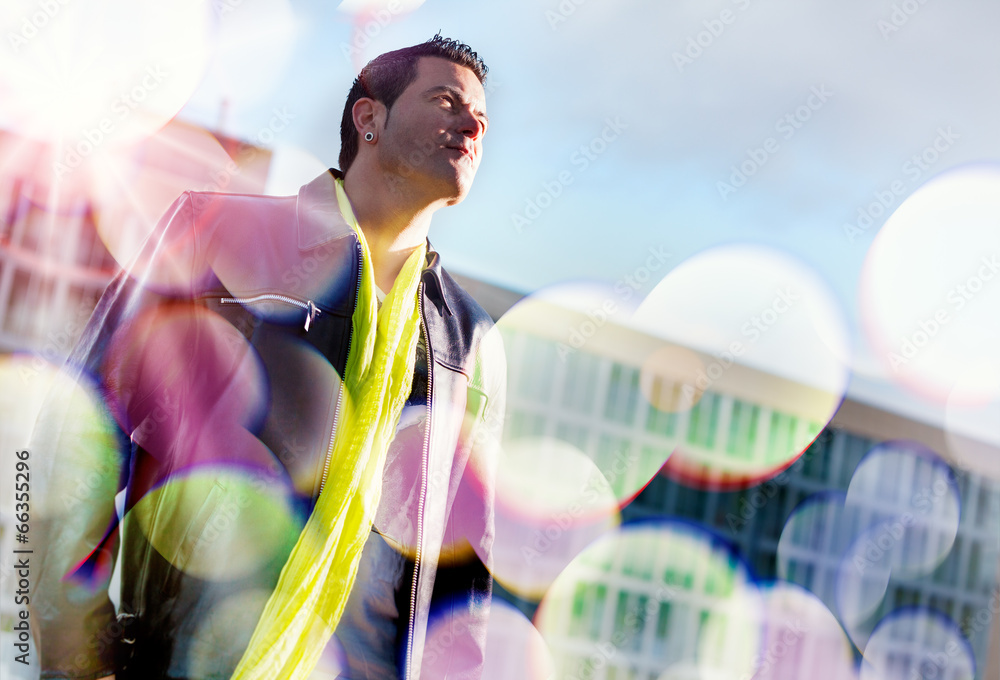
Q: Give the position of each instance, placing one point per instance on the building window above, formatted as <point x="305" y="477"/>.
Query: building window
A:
<point x="743" y="429"/>
<point x="704" y="420"/>
<point x="537" y="361"/>
<point x="613" y="459"/>
<point x="525" y="424"/>
<point x="661" y="422"/>
<point x="781" y="438"/>
<point x="816" y="459"/>
<point x="653" y="458"/>
<point x="972" y="577"/>
<point x="903" y="597"/>
<point x="791" y="571"/>
<point x="621" y="612"/>
<point x="654" y="496"/>
<point x="571" y="433"/>
<point x="580" y="382"/>
<point x="968" y="622"/>
<point x="691" y="502"/>
<point x="637" y="623"/>
<point x="765" y="564"/>
<point x="947" y="573"/>
<point x="854" y="449"/>
<point x="945" y="605"/>
<point x="588" y="610"/>
<point x="986" y="498"/>
<point x="662" y="626"/>
<point x="623" y="388"/>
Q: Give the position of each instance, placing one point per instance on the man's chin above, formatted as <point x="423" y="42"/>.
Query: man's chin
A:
<point x="457" y="189"/>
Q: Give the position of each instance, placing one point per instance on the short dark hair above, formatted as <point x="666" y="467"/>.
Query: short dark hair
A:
<point x="386" y="76"/>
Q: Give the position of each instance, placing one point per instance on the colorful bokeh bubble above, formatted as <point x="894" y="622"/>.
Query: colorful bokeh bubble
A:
<point x="413" y="483"/>
<point x="917" y="643"/>
<point x="814" y="529"/>
<point x="899" y="518"/>
<point x="86" y="77"/>
<point x="74" y="466"/>
<point x="573" y="375"/>
<point x="26" y="380"/>
<point x="188" y="388"/>
<point x="669" y="378"/>
<point x="219" y="523"/>
<point x="862" y="579"/>
<point x="72" y="439"/>
<point x="541" y="478"/>
<point x="210" y="495"/>
<point x="821" y="644"/>
<point x="31" y="161"/>
<point x="514" y="648"/>
<point x="731" y="640"/>
<point x="405" y="480"/>
<point x="224" y="632"/>
<point x="798" y="635"/>
<point x="300" y="417"/>
<point x="551" y="502"/>
<point x="930" y="288"/>
<point x="309" y="273"/>
<point x="134" y="185"/>
<point x="915" y="495"/>
<point x="818" y="550"/>
<point x="648" y="591"/>
<point x="772" y="363"/>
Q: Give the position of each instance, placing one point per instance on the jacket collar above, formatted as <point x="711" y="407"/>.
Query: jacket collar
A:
<point x="319" y="221"/>
<point x="434" y="279"/>
<point x="317" y="213"/>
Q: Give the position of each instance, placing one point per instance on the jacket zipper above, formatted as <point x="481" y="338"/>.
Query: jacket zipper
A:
<point x="423" y="486"/>
<point x="340" y="395"/>
<point x="312" y="311"/>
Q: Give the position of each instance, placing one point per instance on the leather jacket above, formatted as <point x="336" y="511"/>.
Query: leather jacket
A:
<point x="215" y="358"/>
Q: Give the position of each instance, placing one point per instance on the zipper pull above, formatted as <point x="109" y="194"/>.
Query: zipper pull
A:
<point x="312" y="311"/>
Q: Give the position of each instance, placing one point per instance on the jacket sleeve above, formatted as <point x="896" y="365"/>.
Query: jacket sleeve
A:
<point x="81" y="453"/>
<point x="456" y="647"/>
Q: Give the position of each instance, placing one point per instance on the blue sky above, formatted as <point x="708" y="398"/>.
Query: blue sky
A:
<point x="657" y="182"/>
<point x="834" y="97"/>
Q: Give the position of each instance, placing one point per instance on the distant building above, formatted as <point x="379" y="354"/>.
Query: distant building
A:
<point x="54" y="264"/>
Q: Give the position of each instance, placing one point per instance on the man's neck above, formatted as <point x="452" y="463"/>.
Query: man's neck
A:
<point x="395" y="223"/>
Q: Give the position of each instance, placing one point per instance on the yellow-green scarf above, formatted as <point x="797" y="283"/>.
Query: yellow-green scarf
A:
<point x="303" y="611"/>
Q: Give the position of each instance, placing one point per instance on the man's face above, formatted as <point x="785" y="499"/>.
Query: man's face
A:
<point x="434" y="134"/>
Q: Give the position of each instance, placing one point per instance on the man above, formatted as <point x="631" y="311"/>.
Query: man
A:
<point x="300" y="404"/>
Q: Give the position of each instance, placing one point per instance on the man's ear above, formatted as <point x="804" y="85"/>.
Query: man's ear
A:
<point x="368" y="115"/>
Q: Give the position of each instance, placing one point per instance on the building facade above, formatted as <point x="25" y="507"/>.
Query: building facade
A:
<point x="617" y="624"/>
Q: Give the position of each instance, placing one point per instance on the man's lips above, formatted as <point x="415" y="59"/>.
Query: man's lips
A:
<point x="461" y="149"/>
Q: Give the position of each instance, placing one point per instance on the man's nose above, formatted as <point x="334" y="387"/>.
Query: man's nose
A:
<point x="472" y="127"/>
